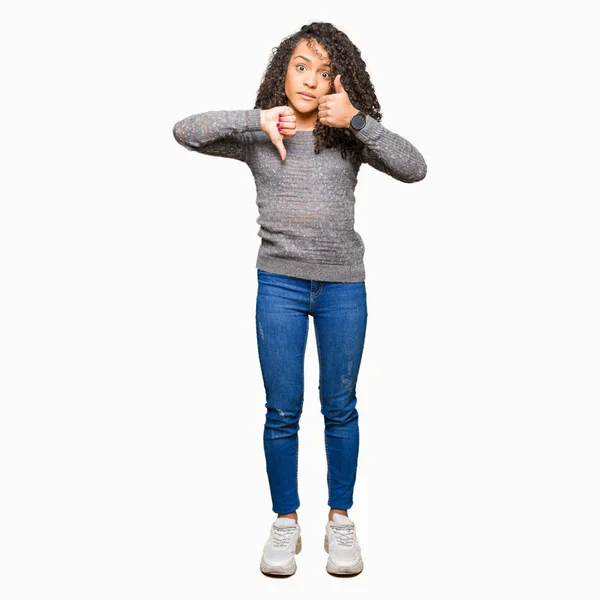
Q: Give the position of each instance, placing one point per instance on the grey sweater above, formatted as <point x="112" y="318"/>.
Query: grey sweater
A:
<point x="305" y="202"/>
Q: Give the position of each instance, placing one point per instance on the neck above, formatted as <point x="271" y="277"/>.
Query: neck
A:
<point x="305" y="122"/>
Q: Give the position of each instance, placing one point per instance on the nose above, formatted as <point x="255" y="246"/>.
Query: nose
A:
<point x="311" y="80"/>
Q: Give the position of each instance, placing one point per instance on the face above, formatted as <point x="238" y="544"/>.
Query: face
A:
<point x="308" y="73"/>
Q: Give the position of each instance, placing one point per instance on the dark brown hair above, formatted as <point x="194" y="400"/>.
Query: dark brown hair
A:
<point x="346" y="60"/>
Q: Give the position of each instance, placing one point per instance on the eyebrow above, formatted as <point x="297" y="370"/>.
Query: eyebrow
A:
<point x="308" y="60"/>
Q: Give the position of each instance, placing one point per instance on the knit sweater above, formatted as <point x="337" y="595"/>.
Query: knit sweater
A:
<point x="305" y="202"/>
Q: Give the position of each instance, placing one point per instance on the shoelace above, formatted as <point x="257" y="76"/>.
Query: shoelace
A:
<point x="344" y="534"/>
<point x="282" y="535"/>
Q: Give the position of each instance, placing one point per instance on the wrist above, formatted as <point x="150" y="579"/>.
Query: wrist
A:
<point x="358" y="121"/>
<point x="352" y="112"/>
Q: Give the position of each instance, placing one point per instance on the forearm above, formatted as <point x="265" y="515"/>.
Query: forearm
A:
<point x="391" y="153"/>
<point x="202" y="132"/>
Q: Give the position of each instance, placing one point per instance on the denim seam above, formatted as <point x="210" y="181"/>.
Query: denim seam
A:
<point x="317" y="293"/>
<point x="325" y="428"/>
<point x="301" y="408"/>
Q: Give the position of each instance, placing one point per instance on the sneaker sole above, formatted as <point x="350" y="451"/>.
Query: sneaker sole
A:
<point x="281" y="570"/>
<point x="334" y="569"/>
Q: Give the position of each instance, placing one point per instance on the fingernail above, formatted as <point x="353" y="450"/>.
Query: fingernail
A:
<point x="281" y="114"/>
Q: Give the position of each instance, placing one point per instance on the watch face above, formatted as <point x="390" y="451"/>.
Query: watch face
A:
<point x="358" y="121"/>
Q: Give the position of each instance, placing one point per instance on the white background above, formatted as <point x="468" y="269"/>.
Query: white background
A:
<point x="132" y="407"/>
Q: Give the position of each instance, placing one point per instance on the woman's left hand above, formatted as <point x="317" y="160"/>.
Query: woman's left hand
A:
<point x="336" y="110"/>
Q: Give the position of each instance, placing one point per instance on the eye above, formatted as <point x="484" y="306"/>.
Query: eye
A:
<point x="324" y="72"/>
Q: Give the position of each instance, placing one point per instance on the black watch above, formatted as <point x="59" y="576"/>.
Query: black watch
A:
<point x="358" y="121"/>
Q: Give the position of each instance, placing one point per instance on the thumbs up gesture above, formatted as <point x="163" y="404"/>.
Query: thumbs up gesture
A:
<point x="336" y="110"/>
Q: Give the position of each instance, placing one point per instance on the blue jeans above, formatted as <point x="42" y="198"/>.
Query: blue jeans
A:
<point x="339" y="312"/>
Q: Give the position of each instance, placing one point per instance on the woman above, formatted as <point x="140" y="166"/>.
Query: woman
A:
<point x="316" y="120"/>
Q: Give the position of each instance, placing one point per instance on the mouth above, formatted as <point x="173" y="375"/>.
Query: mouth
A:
<point x="307" y="96"/>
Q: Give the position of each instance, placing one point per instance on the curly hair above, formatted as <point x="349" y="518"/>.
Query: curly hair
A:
<point x="345" y="59"/>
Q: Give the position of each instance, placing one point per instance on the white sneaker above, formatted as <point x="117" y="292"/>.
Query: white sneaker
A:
<point x="283" y="543"/>
<point x="343" y="547"/>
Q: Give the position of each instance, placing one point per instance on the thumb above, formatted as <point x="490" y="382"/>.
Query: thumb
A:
<point x="337" y="82"/>
<point x="282" y="151"/>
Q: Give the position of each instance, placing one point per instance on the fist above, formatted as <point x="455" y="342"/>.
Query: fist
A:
<point x="277" y="127"/>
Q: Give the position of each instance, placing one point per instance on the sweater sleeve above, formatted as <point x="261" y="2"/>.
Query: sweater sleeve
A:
<point x="218" y="132"/>
<point x="390" y="153"/>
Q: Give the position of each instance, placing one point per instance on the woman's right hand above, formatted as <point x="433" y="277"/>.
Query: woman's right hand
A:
<point x="270" y="119"/>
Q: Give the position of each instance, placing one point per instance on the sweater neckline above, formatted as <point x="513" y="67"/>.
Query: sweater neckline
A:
<point x="305" y="135"/>
<point x="300" y="137"/>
